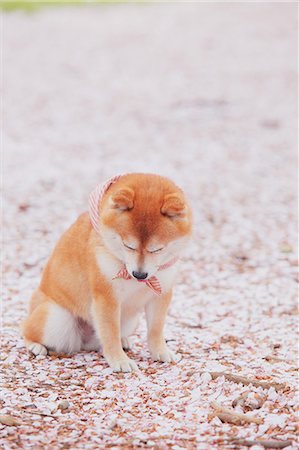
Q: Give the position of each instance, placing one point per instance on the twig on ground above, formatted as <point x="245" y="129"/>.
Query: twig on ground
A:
<point x="247" y="381"/>
<point x="9" y="420"/>
<point x="271" y="443"/>
<point x="190" y="325"/>
<point x="231" y="416"/>
<point x="276" y="359"/>
<point x="39" y="413"/>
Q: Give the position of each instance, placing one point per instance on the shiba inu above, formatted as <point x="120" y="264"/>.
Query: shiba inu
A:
<point x="113" y="263"/>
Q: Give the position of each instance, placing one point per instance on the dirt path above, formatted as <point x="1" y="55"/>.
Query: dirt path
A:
<point x="205" y="94"/>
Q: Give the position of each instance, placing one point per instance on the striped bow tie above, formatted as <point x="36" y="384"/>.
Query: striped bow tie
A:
<point x="153" y="283"/>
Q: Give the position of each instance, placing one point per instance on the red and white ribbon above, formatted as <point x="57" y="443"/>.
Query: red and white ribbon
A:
<point x="95" y="200"/>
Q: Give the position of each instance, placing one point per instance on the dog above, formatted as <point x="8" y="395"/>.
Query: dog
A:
<point x="114" y="262"/>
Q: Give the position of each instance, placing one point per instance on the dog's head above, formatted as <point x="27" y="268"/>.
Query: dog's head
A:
<point x="145" y="221"/>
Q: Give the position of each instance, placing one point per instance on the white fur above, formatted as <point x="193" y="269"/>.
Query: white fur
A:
<point x="61" y="332"/>
<point x="126" y="343"/>
<point x="36" y="349"/>
<point x="132" y="295"/>
<point x="92" y="344"/>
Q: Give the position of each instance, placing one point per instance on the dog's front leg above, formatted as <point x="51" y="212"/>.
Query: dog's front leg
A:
<point x="156" y="310"/>
<point x="107" y="324"/>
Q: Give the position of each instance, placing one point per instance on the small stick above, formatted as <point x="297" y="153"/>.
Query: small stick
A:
<point x="248" y="381"/>
<point x="190" y="325"/>
<point x="231" y="416"/>
<point x="9" y="420"/>
<point x="264" y="443"/>
<point x="39" y="413"/>
<point x="273" y="358"/>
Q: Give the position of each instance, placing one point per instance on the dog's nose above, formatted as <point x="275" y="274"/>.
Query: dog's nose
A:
<point x="140" y="275"/>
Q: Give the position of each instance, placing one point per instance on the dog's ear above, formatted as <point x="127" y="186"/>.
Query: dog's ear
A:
<point x="123" y="199"/>
<point x="174" y="206"/>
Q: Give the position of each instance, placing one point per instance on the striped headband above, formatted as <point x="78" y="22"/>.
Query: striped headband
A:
<point x="95" y="199"/>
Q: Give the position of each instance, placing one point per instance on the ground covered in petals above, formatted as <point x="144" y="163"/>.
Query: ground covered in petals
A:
<point x="205" y="94"/>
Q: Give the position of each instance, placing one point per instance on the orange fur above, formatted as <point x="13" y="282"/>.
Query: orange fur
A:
<point x="151" y="211"/>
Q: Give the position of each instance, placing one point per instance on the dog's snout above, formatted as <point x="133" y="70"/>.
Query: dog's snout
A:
<point x="140" y="275"/>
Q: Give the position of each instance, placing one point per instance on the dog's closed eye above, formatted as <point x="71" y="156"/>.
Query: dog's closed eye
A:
<point x="130" y="247"/>
<point x="156" y="250"/>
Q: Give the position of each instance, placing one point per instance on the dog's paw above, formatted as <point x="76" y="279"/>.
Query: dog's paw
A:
<point x="126" y="343"/>
<point x="164" y="355"/>
<point x="123" y="364"/>
<point x="37" y="349"/>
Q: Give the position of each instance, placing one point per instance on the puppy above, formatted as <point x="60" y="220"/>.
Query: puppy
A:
<point x="113" y="263"/>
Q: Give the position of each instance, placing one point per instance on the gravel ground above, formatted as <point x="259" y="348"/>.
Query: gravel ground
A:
<point x="205" y="94"/>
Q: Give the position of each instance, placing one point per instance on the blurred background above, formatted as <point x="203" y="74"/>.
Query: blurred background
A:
<point x="205" y="93"/>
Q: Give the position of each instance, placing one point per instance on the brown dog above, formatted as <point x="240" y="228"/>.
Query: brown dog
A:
<point x="108" y="267"/>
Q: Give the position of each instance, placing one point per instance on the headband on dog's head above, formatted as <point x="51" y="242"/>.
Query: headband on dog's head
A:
<point x="95" y="199"/>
